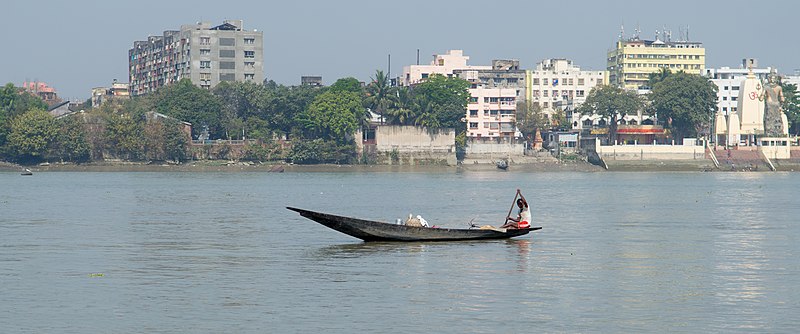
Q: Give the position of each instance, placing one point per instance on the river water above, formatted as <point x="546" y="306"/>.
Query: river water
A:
<point x="218" y="252"/>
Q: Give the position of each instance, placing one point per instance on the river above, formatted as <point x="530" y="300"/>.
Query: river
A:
<point x="217" y="252"/>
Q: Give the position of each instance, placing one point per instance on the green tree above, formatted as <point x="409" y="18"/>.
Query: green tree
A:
<point x="192" y="104"/>
<point x="445" y="99"/>
<point x="71" y="143"/>
<point x="686" y="101"/>
<point x="31" y="135"/>
<point x="14" y="102"/>
<point x="379" y="94"/>
<point x="529" y="118"/>
<point x="656" y="77"/>
<point x="334" y="115"/>
<point x="124" y="136"/>
<point x="791" y="106"/>
<point x="348" y="84"/>
<point x="613" y="103"/>
<point x="403" y="107"/>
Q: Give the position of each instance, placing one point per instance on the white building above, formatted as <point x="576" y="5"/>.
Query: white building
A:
<point x="559" y="85"/>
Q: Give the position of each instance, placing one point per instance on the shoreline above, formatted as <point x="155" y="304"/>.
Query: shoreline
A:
<point x="245" y="167"/>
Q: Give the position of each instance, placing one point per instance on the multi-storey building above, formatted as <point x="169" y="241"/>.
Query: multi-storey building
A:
<point x="728" y="81"/>
<point x="442" y="64"/>
<point x="204" y="54"/>
<point x="494" y="92"/>
<point x="559" y="85"/>
<point x="631" y="61"/>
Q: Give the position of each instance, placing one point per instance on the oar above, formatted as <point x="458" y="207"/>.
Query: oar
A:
<point x="512" y="207"/>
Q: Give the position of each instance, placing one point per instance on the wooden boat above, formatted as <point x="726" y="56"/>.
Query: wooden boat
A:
<point x="26" y="172"/>
<point x="369" y="230"/>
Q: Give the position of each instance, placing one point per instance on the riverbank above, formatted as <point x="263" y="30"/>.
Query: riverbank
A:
<point x="278" y="167"/>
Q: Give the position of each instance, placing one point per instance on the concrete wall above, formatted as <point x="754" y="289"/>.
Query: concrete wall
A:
<point x="497" y="149"/>
<point x="651" y="152"/>
<point x="411" y="145"/>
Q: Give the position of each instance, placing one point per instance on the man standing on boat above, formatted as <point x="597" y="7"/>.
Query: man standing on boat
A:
<point x="523" y="219"/>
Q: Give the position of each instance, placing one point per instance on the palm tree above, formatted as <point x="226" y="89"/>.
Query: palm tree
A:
<point x="379" y="93"/>
<point x="402" y="106"/>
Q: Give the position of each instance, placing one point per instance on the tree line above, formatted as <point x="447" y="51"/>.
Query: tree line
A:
<point x="319" y="122"/>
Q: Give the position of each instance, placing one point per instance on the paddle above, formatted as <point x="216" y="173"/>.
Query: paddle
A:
<point x="512" y="207"/>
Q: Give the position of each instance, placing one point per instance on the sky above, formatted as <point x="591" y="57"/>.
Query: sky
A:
<point x="76" y="45"/>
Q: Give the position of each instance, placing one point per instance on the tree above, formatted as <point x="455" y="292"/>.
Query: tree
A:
<point x="379" y="94"/>
<point x="31" y="135"/>
<point x="334" y="115"/>
<point x="123" y="135"/>
<point x="613" y="103"/>
<point x="14" y="102"/>
<point x="348" y="84"/>
<point x="656" y="77"/>
<point x="192" y="104"/>
<point x="71" y="143"/>
<point x="686" y="101"/>
<point x="403" y="106"/>
<point x="791" y="106"/>
<point x="445" y="99"/>
<point x="529" y="118"/>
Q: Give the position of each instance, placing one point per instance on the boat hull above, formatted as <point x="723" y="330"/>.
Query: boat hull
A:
<point x="369" y="230"/>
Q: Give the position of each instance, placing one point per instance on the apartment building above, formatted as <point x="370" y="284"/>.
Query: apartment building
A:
<point x="631" y="61"/>
<point x="205" y="54"/>
<point x="560" y="85"/>
<point x="443" y="64"/>
<point x="494" y="92"/>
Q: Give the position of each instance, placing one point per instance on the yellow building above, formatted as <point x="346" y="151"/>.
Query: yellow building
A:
<point x="631" y="62"/>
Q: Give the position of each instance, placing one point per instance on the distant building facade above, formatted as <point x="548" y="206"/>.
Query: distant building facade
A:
<point x="118" y="90"/>
<point x="494" y="92"/>
<point x="442" y="64"/>
<point x="204" y="54"/>
<point x="311" y="80"/>
<point x="559" y="85"/>
<point x="632" y="60"/>
<point x="42" y="90"/>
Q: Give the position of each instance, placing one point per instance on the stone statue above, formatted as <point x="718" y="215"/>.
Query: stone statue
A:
<point x="773" y="98"/>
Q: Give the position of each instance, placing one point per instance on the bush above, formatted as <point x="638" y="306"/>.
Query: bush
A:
<point x="321" y="151"/>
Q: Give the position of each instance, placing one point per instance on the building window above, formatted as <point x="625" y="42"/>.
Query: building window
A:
<point x="205" y="52"/>
<point x="227" y="53"/>
<point x="545" y="105"/>
<point x="735" y="87"/>
<point x="535" y="81"/>
<point x="249" y="76"/>
<point x="473" y="100"/>
<point x="249" y="64"/>
<point x="473" y="125"/>
<point x="205" y="76"/>
<point x="724" y="98"/>
<point x="424" y="75"/>
<point x="579" y="93"/>
<point x="249" y="54"/>
<point x="545" y="92"/>
<point x="205" y="64"/>
<point x="545" y="81"/>
<point x="725" y="88"/>
<point x="249" y="41"/>
<point x="473" y="113"/>
<point x="734" y="98"/>
<point x="205" y="40"/>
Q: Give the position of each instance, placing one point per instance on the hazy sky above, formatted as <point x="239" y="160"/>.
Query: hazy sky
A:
<point x="79" y="44"/>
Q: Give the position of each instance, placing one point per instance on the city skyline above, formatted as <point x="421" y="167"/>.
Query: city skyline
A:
<point x="83" y="44"/>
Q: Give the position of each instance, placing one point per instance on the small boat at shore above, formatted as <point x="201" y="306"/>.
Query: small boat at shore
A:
<point x="26" y="172"/>
<point x="369" y="230"/>
<point x="502" y="164"/>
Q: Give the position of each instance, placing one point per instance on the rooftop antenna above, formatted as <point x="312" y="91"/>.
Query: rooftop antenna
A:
<point x="637" y="31"/>
<point x="417" y="56"/>
<point x="622" y="31"/>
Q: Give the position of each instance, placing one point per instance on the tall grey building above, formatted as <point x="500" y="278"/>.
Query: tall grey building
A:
<point x="204" y="54"/>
